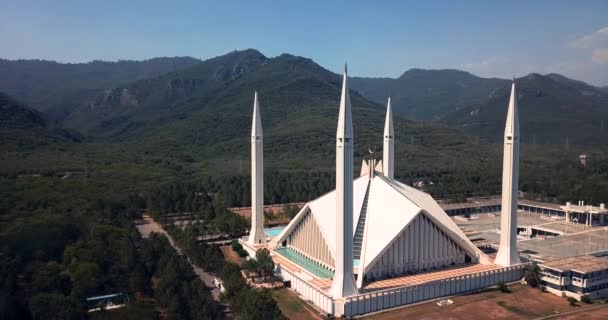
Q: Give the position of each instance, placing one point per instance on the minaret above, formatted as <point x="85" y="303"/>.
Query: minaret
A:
<point x="507" y="253"/>
<point x="388" y="151"/>
<point x="343" y="284"/>
<point x="256" y="235"/>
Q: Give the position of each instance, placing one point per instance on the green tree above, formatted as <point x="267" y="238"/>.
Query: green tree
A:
<point x="290" y="211"/>
<point x="264" y="262"/>
<point x="532" y="275"/>
<point x="256" y="304"/>
<point x="53" y="306"/>
<point x="250" y="266"/>
<point x="232" y="278"/>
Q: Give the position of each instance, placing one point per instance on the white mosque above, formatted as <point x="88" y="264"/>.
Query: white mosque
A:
<point x="375" y="243"/>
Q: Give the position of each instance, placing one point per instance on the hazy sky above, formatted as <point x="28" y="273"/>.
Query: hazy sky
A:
<point x="377" y="38"/>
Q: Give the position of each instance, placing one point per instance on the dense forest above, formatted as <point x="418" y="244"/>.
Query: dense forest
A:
<point x="55" y="252"/>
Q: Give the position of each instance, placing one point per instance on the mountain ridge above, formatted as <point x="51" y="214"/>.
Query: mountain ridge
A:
<point x="550" y="111"/>
<point x="25" y="128"/>
<point x="123" y="108"/>
<point x="54" y="87"/>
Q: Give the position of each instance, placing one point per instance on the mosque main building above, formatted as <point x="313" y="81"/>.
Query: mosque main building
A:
<point x="375" y="243"/>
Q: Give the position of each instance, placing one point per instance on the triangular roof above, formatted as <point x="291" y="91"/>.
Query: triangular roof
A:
<point x="324" y="210"/>
<point x="391" y="207"/>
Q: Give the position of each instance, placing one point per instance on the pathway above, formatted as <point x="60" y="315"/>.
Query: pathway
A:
<point x="149" y="226"/>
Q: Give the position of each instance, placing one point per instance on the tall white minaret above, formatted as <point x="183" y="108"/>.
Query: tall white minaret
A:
<point x="343" y="284"/>
<point x="507" y="253"/>
<point x="256" y="235"/>
<point x="388" y="150"/>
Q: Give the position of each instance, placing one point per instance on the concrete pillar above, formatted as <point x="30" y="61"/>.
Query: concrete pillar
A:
<point x="389" y="144"/>
<point x="507" y="253"/>
<point x="343" y="283"/>
<point x="256" y="234"/>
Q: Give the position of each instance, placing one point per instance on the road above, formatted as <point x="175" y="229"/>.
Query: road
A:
<point x="149" y="226"/>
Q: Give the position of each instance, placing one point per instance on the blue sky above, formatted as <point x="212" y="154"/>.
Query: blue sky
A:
<point x="377" y="38"/>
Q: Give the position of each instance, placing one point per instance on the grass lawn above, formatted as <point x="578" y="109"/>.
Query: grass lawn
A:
<point x="231" y="256"/>
<point x="522" y="303"/>
<point x="292" y="306"/>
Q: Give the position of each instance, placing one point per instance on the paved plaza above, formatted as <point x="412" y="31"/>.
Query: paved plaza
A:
<point x="572" y="239"/>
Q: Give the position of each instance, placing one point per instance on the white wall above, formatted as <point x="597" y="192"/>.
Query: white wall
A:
<point x="391" y="298"/>
<point x="421" y="246"/>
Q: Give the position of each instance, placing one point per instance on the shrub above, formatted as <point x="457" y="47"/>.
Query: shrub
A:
<point x="291" y="211"/>
<point x="572" y="301"/>
<point x="242" y="253"/>
<point x="585" y="299"/>
<point x="238" y="248"/>
<point x="503" y="287"/>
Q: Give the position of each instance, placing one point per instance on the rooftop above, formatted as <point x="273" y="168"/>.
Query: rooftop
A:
<point x="583" y="209"/>
<point x="582" y="264"/>
<point x="496" y="201"/>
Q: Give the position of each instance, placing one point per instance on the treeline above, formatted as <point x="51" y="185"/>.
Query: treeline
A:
<point x="279" y="187"/>
<point x="192" y="199"/>
<point x="60" y="246"/>
<point x="50" y="264"/>
<point x="568" y="181"/>
<point x="248" y="303"/>
<point x="560" y="180"/>
<point x="177" y="288"/>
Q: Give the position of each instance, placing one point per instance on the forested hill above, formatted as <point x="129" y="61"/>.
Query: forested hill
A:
<point x="118" y="99"/>
<point x="428" y="94"/>
<point x="204" y="112"/>
<point x="552" y="109"/>
<point x="160" y="100"/>
<point x="24" y="128"/>
<point x="55" y="88"/>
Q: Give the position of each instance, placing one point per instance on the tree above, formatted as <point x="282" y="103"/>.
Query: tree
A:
<point x="264" y="262"/>
<point x="256" y="304"/>
<point x="532" y="275"/>
<point x="251" y="267"/>
<point x="50" y="306"/>
<point x="291" y="211"/>
<point x="572" y="301"/>
<point x="238" y="248"/>
<point x="233" y="281"/>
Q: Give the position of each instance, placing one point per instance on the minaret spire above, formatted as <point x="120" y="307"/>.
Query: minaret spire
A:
<point x="388" y="150"/>
<point x="507" y="253"/>
<point x="256" y="235"/>
<point x="343" y="284"/>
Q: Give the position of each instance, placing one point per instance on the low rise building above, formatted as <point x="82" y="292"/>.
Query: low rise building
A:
<point x="579" y="276"/>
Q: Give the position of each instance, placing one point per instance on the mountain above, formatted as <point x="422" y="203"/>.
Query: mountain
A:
<point x="204" y="112"/>
<point x="552" y="109"/>
<point x="55" y="88"/>
<point x="584" y="88"/>
<point x="25" y="128"/>
<point x="428" y="94"/>
<point x="157" y="100"/>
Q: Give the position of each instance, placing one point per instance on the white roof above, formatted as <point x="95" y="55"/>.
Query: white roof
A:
<point x="391" y="207"/>
<point x="324" y="210"/>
